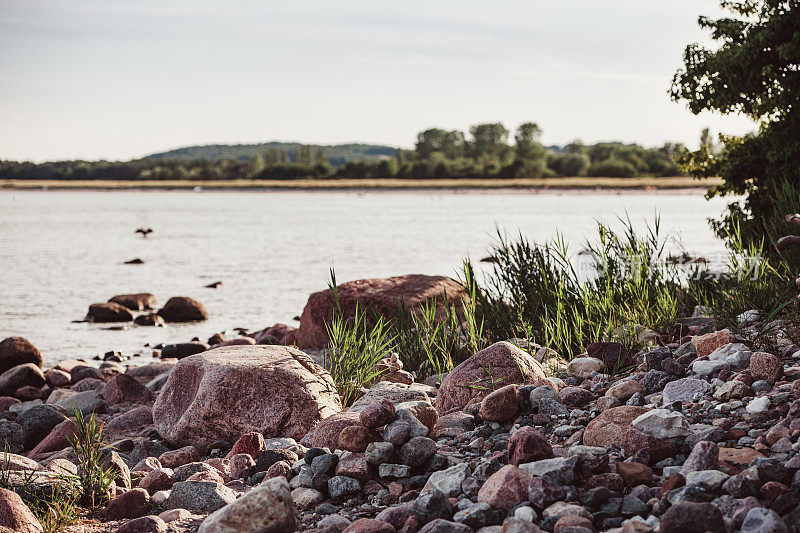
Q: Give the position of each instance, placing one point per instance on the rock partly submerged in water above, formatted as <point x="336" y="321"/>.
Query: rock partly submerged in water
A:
<point x="183" y="309"/>
<point x="229" y="391"/>
<point x="141" y="301"/>
<point x="108" y="312"/>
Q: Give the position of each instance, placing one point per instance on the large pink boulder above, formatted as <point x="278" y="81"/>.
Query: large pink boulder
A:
<point x="497" y="366"/>
<point x="229" y="391"/>
<point x="378" y="296"/>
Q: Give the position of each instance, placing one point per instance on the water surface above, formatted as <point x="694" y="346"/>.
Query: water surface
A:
<point x="63" y="250"/>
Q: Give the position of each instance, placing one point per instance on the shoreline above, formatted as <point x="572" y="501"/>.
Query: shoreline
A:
<point x="537" y="185"/>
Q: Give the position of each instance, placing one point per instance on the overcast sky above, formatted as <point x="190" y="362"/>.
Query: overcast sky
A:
<point x="120" y="79"/>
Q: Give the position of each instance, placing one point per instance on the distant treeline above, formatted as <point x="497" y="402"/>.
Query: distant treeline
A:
<point x="438" y="153"/>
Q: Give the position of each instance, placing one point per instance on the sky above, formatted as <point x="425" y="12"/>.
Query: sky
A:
<point x="118" y="79"/>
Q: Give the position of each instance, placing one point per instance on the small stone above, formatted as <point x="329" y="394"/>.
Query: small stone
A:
<point x="449" y="480"/>
<point x="506" y="488"/>
<point x="762" y="520"/>
<point x="307" y="498"/>
<point x="379" y="452"/>
<point x="378" y="414"/>
<point x="663" y="424"/>
<point x="131" y="504"/>
<point x="200" y="496"/>
<point x="526" y="445"/>
<point x="340" y="486"/>
<point x="356" y="438"/>
<point x="635" y="474"/>
<point x="501" y="405"/>
<point x="558" y="471"/>
<point x="432" y="505"/>
<point x="766" y="366"/>
<point x="417" y="451"/>
<point x="705" y="344"/>
<point x="585" y="367"/>
<point x="704" y="456"/>
<point x="688" y="517"/>
<point x="685" y="390"/>
<point x="623" y="390"/>
<point x="145" y="524"/>
<point x="758" y="405"/>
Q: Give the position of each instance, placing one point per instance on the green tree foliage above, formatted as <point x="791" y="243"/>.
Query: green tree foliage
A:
<point x="272" y="157"/>
<point x="488" y="142"/>
<point x="752" y="70"/>
<point x="303" y="156"/>
<point x="439" y="153"/>
<point x="449" y="144"/>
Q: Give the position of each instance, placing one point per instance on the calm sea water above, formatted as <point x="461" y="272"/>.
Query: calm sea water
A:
<point x="61" y="251"/>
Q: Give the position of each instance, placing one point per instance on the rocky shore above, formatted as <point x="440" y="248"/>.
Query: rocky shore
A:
<point x="247" y="433"/>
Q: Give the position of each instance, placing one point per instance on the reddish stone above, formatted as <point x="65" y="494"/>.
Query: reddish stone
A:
<point x="623" y="390"/>
<point x="688" y="517"/>
<point x="179" y="457"/>
<point x="704" y="456"/>
<point x="131" y="504"/>
<point x="225" y="392"/>
<point x="58" y="439"/>
<point x="251" y="443"/>
<point x="615" y="356"/>
<point x="28" y="393"/>
<point x="575" y="397"/>
<point x="156" y="480"/>
<point x="635" y="474"/>
<point x="356" y="438"/>
<point x="705" y="344"/>
<point x="281" y="468"/>
<point x="277" y="334"/>
<point x="501" y="405"/>
<point x="143" y="301"/>
<point x="527" y="445"/>
<point x="771" y="490"/>
<point x="609" y="480"/>
<point x="369" y="525"/>
<point x="611" y="425"/>
<point x="130" y="420"/>
<point x="183" y="309"/>
<point x="145" y="524"/>
<point x="572" y="520"/>
<point x="57" y="378"/>
<point x="27" y="374"/>
<point x="635" y="442"/>
<point x="498" y="365"/>
<point x="766" y="366"/>
<point x="6" y="402"/>
<point x="15" y="515"/>
<point x="379" y="297"/>
<point x="506" y="488"/>
<point x="326" y="432"/>
<point x="378" y="413"/>
<point x="673" y="482"/>
<point x="125" y="389"/>
<point x="15" y="351"/>
<point x="108" y="312"/>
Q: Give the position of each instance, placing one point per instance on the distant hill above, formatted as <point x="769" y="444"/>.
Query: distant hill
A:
<point x="338" y="154"/>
